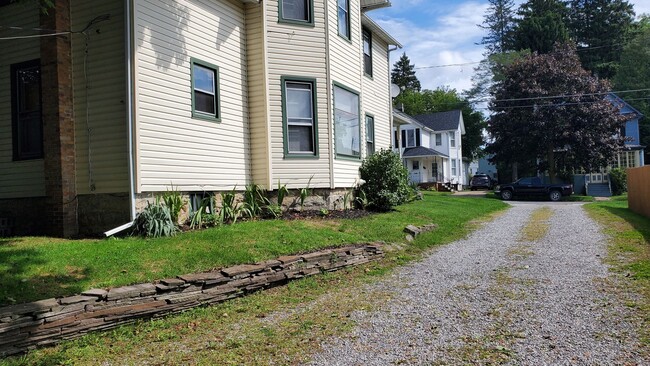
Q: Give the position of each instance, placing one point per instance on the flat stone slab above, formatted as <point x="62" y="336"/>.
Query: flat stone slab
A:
<point x="203" y="277"/>
<point x="32" y="307"/>
<point x="243" y="269"/>
<point x="76" y="299"/>
<point x="96" y="292"/>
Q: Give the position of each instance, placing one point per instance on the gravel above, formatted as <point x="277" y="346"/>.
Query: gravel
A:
<point x="495" y="299"/>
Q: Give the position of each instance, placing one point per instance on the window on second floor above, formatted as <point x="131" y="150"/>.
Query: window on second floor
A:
<point x="344" y="18"/>
<point x="205" y="91"/>
<point x="27" y="126"/>
<point x="438" y="139"/>
<point x="452" y="139"/>
<point x="300" y="11"/>
<point x="299" y="117"/>
<point x="367" y="52"/>
<point x="453" y="167"/>
<point x="411" y="138"/>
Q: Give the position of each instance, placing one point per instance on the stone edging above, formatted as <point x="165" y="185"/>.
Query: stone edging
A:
<point x="47" y="322"/>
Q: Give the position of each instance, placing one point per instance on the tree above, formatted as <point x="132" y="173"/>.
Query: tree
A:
<point x="403" y="74"/>
<point x="445" y="99"/>
<point x="550" y="110"/>
<point x="499" y="22"/>
<point x="634" y="74"/>
<point x="600" y="28"/>
<point x="541" y="26"/>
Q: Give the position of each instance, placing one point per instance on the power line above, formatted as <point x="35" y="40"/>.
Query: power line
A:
<point x="558" y="104"/>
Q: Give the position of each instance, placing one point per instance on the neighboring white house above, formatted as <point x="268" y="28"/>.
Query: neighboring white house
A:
<point x="431" y="146"/>
<point x="204" y="95"/>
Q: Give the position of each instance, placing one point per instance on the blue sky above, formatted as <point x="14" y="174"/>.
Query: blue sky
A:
<point x="443" y="32"/>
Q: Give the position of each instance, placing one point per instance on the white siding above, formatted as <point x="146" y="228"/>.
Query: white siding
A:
<point x="375" y="93"/>
<point x="173" y="147"/>
<point x="103" y="73"/>
<point x="346" y="69"/>
<point x="296" y="50"/>
<point x="17" y="178"/>
<point x="257" y="95"/>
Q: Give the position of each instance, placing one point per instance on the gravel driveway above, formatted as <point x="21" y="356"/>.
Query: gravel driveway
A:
<point x="496" y="298"/>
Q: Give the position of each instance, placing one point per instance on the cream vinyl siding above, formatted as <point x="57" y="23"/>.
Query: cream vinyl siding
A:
<point x="105" y="75"/>
<point x="297" y="50"/>
<point x="174" y="148"/>
<point x="17" y="178"/>
<point x="375" y="94"/>
<point x="346" y="68"/>
<point x="257" y="95"/>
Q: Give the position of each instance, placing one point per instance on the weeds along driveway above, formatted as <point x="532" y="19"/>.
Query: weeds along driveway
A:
<point x="529" y="288"/>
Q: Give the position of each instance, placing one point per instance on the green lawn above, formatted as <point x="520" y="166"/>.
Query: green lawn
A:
<point x="33" y="268"/>
<point x="629" y="252"/>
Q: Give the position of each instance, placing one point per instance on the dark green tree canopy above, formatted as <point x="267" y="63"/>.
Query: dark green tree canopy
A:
<point x="550" y="110"/>
<point x="442" y="100"/>
<point x="541" y="25"/>
<point x="403" y="74"/>
<point x="600" y="28"/>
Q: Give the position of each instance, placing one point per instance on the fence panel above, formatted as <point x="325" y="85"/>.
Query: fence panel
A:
<point x="638" y="188"/>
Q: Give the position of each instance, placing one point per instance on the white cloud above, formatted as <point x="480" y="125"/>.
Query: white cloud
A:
<point x="450" y="40"/>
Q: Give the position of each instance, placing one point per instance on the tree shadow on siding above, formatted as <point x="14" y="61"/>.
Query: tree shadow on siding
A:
<point x="18" y="285"/>
<point x="170" y="48"/>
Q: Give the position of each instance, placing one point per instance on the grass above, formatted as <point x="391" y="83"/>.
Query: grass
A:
<point x="283" y="325"/>
<point x="34" y="268"/>
<point x="537" y="226"/>
<point x="629" y="252"/>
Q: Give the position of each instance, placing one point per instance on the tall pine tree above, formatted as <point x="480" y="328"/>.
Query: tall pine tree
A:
<point x="499" y="23"/>
<point x="541" y="25"/>
<point x="403" y="74"/>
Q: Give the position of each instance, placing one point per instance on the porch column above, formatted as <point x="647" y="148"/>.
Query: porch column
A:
<point x="58" y="124"/>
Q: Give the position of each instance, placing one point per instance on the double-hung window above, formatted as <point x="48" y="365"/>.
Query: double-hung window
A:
<point x="344" y="18"/>
<point x="27" y="125"/>
<point x="205" y="91"/>
<point x="299" y="117"/>
<point x="370" y="135"/>
<point x="452" y="139"/>
<point x="346" y="122"/>
<point x="367" y="52"/>
<point x="410" y="138"/>
<point x="453" y="167"/>
<point x="438" y="139"/>
<point x="299" y="11"/>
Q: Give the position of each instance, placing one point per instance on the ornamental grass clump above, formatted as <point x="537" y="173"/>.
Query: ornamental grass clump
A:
<point x="386" y="181"/>
<point x="154" y="221"/>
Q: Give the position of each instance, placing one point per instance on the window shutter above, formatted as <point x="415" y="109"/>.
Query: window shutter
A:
<point x="417" y="137"/>
<point x="395" y="140"/>
<point x="403" y="138"/>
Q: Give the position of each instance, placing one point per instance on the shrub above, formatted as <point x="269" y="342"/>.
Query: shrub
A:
<point x="618" y="179"/>
<point x="154" y="221"/>
<point x="386" y="180"/>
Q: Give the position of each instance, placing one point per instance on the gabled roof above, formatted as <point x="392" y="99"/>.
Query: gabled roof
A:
<point x="615" y="99"/>
<point x="443" y="121"/>
<point x="374" y="4"/>
<point x="421" y="151"/>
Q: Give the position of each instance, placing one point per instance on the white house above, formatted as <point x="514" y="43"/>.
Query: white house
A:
<point x="431" y="146"/>
<point x="204" y="95"/>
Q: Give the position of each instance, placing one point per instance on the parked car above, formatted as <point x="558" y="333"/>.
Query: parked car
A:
<point x="533" y="186"/>
<point x="480" y="181"/>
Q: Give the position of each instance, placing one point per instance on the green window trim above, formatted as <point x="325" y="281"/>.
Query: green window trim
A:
<point x="285" y="122"/>
<point x="370" y="134"/>
<point x="348" y="30"/>
<point x="367" y="57"/>
<point x="216" y="104"/>
<point x="341" y="86"/>
<point x="305" y="23"/>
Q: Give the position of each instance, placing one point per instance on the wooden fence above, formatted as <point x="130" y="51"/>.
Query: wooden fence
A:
<point x="638" y="188"/>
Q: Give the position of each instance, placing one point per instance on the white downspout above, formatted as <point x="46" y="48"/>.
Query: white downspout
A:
<point x="129" y="118"/>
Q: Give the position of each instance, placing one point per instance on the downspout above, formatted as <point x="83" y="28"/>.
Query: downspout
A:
<point x="330" y="95"/>
<point x="129" y="118"/>
<point x="390" y="106"/>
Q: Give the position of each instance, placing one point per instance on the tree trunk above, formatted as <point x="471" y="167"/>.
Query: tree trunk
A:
<point x="551" y="164"/>
<point x="514" y="172"/>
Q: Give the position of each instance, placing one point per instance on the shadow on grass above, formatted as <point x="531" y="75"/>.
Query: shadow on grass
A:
<point x="18" y="285"/>
<point x="639" y="222"/>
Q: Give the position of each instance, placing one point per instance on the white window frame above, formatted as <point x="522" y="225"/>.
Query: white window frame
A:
<point x="452" y="139"/>
<point x="411" y="134"/>
<point x="438" y="139"/>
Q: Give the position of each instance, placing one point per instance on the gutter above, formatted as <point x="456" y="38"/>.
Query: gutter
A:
<point x="129" y="117"/>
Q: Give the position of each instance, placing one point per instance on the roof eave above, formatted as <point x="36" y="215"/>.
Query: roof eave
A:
<point x="367" y="5"/>
<point x="379" y="31"/>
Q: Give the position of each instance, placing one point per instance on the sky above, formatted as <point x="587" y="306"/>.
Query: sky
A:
<point x="435" y="33"/>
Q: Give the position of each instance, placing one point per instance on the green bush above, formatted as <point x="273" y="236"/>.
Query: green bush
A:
<point x="154" y="221"/>
<point x="386" y="180"/>
<point x="618" y="179"/>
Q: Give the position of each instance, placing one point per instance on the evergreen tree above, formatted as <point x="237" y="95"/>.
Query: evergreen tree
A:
<point x="600" y="28"/>
<point x="499" y="22"/>
<point x="403" y="74"/>
<point x="541" y="25"/>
